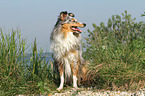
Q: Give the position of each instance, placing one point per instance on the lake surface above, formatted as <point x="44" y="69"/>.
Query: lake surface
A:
<point x="47" y="56"/>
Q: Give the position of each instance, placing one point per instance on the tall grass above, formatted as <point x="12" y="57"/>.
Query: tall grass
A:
<point x="12" y="49"/>
<point x="19" y="74"/>
<point x="117" y="54"/>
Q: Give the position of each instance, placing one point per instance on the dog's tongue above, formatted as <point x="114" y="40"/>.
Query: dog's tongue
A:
<point x="77" y="29"/>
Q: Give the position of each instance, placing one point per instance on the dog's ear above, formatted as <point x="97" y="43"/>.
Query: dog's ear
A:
<point x="63" y="15"/>
<point x="71" y="14"/>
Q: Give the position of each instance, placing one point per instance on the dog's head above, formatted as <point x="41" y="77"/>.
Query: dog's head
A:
<point x="68" y="22"/>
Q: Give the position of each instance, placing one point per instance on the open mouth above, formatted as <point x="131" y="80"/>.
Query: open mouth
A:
<point x="76" y="29"/>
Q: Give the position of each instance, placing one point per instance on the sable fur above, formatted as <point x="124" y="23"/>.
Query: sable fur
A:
<point x="66" y="46"/>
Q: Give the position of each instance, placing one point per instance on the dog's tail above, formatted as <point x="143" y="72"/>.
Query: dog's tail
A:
<point x="67" y="69"/>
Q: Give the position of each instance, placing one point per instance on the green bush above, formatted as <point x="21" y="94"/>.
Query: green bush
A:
<point x="117" y="54"/>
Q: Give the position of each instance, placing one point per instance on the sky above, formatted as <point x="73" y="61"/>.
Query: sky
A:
<point x="36" y="18"/>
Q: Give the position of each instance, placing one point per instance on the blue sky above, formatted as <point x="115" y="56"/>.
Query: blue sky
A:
<point x="36" y="18"/>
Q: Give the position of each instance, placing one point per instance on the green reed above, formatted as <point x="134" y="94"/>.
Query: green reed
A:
<point x="12" y="49"/>
<point x="18" y="73"/>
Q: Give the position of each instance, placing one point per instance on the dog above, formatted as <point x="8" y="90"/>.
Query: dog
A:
<point x="66" y="46"/>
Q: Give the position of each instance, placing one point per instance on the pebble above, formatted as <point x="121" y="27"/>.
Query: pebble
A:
<point x="101" y="93"/>
<point x="90" y="92"/>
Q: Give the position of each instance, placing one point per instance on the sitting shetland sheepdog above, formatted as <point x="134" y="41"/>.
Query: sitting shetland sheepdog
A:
<point x="66" y="46"/>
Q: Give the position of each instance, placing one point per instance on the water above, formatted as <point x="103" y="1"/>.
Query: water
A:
<point x="47" y="56"/>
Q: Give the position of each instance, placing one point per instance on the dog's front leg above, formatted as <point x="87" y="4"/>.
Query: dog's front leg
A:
<point x="61" y="79"/>
<point x="75" y="70"/>
<point x="75" y="81"/>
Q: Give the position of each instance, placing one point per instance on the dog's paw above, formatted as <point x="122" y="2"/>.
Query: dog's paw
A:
<point x="75" y="87"/>
<point x="58" y="89"/>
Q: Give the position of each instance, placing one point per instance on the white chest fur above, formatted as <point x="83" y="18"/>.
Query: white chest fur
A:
<point x="61" y="45"/>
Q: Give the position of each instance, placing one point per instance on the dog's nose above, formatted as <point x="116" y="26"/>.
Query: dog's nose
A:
<point x="84" y="24"/>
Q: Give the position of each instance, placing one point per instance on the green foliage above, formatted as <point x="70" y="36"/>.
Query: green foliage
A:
<point x="143" y="14"/>
<point x="18" y="73"/>
<point x="116" y="53"/>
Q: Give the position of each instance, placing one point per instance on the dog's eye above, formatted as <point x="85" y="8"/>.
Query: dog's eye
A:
<point x="74" y="21"/>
